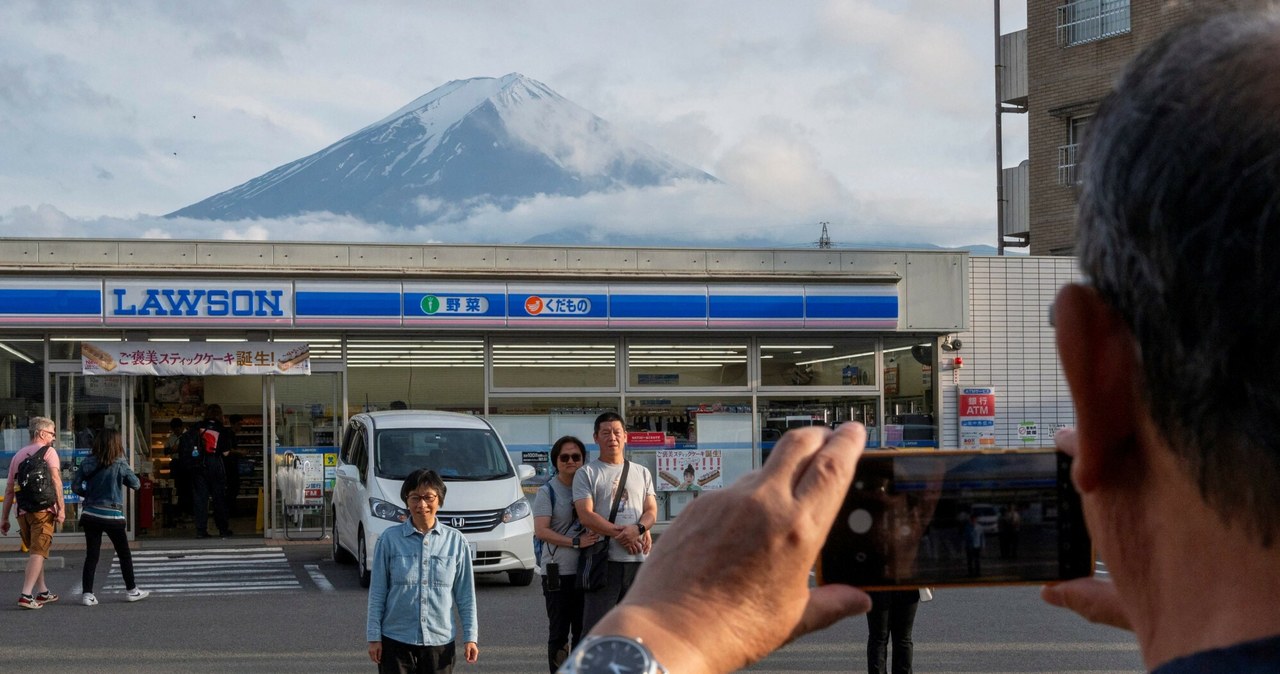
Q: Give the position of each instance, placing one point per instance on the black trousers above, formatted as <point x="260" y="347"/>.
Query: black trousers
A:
<point x="596" y="603"/>
<point x="564" y="614"/>
<point x="210" y="481"/>
<point x="892" y="615"/>
<point x="93" y="529"/>
<point x="182" y="485"/>
<point x="401" y="658"/>
<point x="973" y="561"/>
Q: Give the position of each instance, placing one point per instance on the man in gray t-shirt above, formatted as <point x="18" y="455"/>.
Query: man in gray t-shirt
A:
<point x="593" y="493"/>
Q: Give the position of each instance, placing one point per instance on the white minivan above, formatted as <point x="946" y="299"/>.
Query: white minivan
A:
<point x="483" y="498"/>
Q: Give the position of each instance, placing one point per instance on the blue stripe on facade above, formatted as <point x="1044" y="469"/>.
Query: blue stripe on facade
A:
<point x="756" y="306"/>
<point x="851" y="306"/>
<point x="51" y="301"/>
<point x="658" y="306"/>
<point x="346" y="304"/>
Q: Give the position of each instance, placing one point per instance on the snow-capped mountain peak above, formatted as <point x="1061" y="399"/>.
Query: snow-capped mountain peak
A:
<point x="467" y="143"/>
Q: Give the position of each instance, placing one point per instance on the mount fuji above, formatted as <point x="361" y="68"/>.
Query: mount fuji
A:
<point x="468" y="144"/>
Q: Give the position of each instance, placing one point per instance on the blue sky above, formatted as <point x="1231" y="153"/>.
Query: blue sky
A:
<point x="876" y="117"/>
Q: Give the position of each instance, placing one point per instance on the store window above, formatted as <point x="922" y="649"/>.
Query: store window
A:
<point x="663" y="364"/>
<point x="839" y="361"/>
<point x="415" y="373"/>
<point x="21" y="392"/>
<point x="691" y="445"/>
<point x="578" y="362"/>
<point x="529" y="425"/>
<point x="910" y="417"/>
<point x="779" y="415"/>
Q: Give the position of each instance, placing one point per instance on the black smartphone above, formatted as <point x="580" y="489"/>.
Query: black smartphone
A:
<point x="929" y="518"/>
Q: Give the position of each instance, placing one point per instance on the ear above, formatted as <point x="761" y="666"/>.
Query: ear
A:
<point x="1099" y="358"/>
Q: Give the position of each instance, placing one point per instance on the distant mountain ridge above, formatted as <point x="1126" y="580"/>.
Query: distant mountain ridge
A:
<point x="466" y="144"/>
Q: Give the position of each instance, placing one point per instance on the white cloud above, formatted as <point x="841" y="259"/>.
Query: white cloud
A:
<point x="865" y="113"/>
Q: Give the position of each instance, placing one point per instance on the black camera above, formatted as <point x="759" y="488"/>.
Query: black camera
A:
<point x="553" y="576"/>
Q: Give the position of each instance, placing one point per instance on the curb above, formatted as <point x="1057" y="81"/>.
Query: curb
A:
<point x="20" y="563"/>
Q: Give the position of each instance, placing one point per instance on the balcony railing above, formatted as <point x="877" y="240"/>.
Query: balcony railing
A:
<point x="1067" y="174"/>
<point x="1089" y="20"/>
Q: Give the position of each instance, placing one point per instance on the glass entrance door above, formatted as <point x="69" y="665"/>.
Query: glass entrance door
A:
<point x="306" y="416"/>
<point x="83" y="407"/>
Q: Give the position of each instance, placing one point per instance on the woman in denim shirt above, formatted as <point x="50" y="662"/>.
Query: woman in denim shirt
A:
<point x="101" y="479"/>
<point x="421" y="570"/>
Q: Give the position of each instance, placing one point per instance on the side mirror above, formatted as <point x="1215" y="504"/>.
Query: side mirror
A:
<point x="347" y="471"/>
<point x="524" y="471"/>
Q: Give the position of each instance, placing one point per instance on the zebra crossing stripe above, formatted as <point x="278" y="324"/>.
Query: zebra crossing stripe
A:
<point x="226" y="571"/>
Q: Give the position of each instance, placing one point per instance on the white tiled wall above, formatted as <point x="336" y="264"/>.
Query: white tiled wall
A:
<point x="1010" y="346"/>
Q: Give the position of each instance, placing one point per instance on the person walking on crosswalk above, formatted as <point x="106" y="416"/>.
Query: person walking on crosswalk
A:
<point x="101" y="479"/>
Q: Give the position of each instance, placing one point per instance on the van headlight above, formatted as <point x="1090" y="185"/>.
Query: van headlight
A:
<point x="516" y="511"/>
<point x="384" y="510"/>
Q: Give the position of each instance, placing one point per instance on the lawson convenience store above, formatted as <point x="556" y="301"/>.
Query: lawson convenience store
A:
<point x="712" y="351"/>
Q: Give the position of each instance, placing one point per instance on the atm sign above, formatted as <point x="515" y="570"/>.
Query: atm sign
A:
<point x="977" y="405"/>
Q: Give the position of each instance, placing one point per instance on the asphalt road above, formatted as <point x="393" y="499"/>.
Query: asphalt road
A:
<point x="297" y="611"/>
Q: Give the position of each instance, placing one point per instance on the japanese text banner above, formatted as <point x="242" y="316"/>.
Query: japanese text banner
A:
<point x="194" y="358"/>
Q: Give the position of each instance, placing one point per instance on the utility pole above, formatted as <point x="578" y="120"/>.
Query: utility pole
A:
<point x="824" y="241"/>
<point x="999" y="143"/>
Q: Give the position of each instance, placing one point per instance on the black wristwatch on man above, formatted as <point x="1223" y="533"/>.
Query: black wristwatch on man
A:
<point x="577" y="542"/>
<point x="641" y="528"/>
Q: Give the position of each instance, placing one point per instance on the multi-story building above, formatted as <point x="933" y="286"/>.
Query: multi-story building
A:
<point x="1074" y="51"/>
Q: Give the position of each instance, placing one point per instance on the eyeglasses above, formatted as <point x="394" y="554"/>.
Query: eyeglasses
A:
<point x="416" y="500"/>
<point x="566" y="458"/>
<point x="45" y="430"/>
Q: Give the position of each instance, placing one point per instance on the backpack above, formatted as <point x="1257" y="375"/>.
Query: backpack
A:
<point x="198" y="440"/>
<point x="537" y="542"/>
<point x="33" y="483"/>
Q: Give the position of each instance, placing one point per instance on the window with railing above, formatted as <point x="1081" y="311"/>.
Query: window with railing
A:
<point x="1067" y="164"/>
<point x="1067" y="154"/>
<point x="1081" y="21"/>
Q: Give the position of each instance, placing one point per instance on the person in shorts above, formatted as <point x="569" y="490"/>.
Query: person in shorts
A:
<point x="36" y="528"/>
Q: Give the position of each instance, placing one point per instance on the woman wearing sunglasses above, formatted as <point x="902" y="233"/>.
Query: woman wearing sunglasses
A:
<point x="556" y="524"/>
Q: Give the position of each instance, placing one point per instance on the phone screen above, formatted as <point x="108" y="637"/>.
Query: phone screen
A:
<point x="935" y="518"/>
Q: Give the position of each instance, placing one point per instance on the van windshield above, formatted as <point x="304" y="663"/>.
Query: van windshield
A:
<point x="457" y="454"/>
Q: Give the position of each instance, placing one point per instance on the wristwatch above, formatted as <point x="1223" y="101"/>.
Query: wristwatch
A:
<point x="577" y="542"/>
<point x="610" y="655"/>
<point x="640" y="526"/>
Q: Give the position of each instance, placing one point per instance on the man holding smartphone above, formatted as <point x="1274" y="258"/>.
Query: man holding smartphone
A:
<point x="1168" y="350"/>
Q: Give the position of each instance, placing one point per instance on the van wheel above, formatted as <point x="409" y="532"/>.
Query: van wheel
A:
<point x="520" y="578"/>
<point x="340" y="554"/>
<point x="362" y="562"/>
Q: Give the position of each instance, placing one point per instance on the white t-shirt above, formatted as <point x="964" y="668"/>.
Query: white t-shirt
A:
<point x="598" y="481"/>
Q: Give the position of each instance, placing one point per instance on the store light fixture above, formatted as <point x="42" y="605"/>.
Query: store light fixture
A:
<point x="17" y="353"/>
<point x="854" y="355"/>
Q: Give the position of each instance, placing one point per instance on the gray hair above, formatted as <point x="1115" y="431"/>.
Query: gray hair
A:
<point x="37" y="424"/>
<point x="1179" y="220"/>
